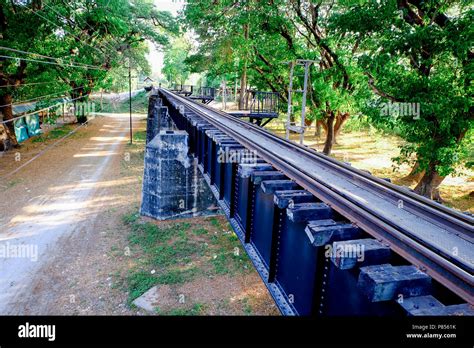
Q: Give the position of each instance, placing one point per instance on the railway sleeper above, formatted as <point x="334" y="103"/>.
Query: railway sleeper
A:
<point x="430" y="306"/>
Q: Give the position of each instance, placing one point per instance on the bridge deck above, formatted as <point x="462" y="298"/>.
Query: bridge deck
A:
<point x="429" y="235"/>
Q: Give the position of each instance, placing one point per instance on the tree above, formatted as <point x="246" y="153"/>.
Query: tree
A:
<point x="94" y="36"/>
<point x="225" y="35"/>
<point x="275" y="32"/>
<point x="380" y="58"/>
<point x="418" y="57"/>
<point x="174" y="64"/>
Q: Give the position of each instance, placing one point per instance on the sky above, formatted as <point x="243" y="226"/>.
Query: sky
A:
<point x="155" y="57"/>
<point x="169" y="5"/>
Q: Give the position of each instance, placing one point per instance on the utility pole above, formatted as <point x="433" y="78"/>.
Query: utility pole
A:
<point x="130" y="98"/>
<point x="224" y="93"/>
<point x="290" y="105"/>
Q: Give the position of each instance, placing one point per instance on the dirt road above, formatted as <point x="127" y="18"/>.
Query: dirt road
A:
<point x="65" y="247"/>
<point x="49" y="229"/>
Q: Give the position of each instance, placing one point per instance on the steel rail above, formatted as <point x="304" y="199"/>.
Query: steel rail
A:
<point x="452" y="214"/>
<point x="442" y="267"/>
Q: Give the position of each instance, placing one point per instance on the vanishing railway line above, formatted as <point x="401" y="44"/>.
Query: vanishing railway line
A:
<point x="293" y="202"/>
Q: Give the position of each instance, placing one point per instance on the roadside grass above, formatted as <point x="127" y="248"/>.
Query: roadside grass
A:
<point x="14" y="182"/>
<point x="9" y="184"/>
<point x="178" y="252"/>
<point x="195" y="309"/>
<point x="139" y="104"/>
<point x="132" y="163"/>
<point x="53" y="134"/>
<point x="139" y="136"/>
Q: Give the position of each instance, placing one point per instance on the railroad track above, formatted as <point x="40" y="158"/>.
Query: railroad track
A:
<point x="436" y="239"/>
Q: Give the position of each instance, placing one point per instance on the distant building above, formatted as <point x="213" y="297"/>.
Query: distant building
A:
<point x="144" y="81"/>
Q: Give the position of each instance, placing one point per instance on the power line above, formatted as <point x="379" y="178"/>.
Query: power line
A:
<point x="43" y="56"/>
<point x="44" y="150"/>
<point x="28" y="84"/>
<point x="60" y="27"/>
<point x="85" y="22"/>
<point x="39" y="98"/>
<point x="48" y="62"/>
<point x="37" y="111"/>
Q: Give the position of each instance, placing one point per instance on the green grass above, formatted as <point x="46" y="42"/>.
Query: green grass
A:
<point x="130" y="218"/>
<point x="200" y="231"/>
<point x="227" y="262"/>
<point x="146" y="234"/>
<point x="196" y="309"/>
<point x="178" y="252"/>
<point x="139" y="104"/>
<point x="229" y="258"/>
<point x="173" y="250"/>
<point x="176" y="276"/>
<point x="55" y="133"/>
<point x="139" y="283"/>
<point x="13" y="183"/>
<point x="215" y="222"/>
<point x="166" y="250"/>
<point x="220" y="263"/>
<point x="247" y="308"/>
<point x="139" y="136"/>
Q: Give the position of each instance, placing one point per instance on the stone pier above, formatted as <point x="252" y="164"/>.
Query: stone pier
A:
<point x="173" y="187"/>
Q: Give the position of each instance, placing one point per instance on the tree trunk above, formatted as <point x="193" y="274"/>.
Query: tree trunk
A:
<point x="243" y="89"/>
<point x="243" y="78"/>
<point x="415" y="173"/>
<point x="428" y="186"/>
<point x="79" y="111"/>
<point x="8" y="115"/>
<point x="340" y="120"/>
<point x="329" y="133"/>
<point x="317" y="130"/>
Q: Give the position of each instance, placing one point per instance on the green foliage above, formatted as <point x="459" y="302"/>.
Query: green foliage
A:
<point x="370" y="53"/>
<point x="175" y="68"/>
<point x="102" y="38"/>
<point x="426" y="61"/>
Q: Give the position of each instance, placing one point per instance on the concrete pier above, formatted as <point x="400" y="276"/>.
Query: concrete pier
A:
<point x="173" y="187"/>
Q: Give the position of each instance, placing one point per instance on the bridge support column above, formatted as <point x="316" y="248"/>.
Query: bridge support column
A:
<point x="172" y="185"/>
<point x="158" y="118"/>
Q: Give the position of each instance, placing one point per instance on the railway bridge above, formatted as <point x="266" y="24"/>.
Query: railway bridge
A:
<point x="326" y="238"/>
